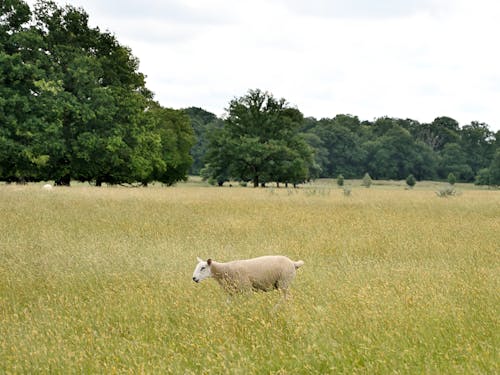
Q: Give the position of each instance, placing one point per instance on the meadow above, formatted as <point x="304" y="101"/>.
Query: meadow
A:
<point x="98" y="280"/>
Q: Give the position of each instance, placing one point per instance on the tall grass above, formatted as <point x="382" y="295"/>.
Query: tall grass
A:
<point x="98" y="280"/>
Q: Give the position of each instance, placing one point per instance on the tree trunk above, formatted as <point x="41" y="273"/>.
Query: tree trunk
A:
<point x="255" y="181"/>
<point x="63" y="181"/>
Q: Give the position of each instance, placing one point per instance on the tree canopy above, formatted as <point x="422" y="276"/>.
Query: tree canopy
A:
<point x="386" y="148"/>
<point x="74" y="105"/>
<point x="259" y="142"/>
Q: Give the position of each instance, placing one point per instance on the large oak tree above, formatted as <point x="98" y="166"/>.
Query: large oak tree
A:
<point x="259" y="142"/>
<point x="75" y="106"/>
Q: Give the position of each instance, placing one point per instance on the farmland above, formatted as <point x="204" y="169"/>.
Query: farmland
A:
<point x="98" y="280"/>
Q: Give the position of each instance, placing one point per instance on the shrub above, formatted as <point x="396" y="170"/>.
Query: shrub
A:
<point x="483" y="177"/>
<point x="452" y="179"/>
<point x="340" y="180"/>
<point x="347" y="191"/>
<point x="367" y="180"/>
<point x="411" y="181"/>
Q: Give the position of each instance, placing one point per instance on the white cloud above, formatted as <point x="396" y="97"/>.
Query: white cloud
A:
<point x="417" y="59"/>
<point x="356" y="9"/>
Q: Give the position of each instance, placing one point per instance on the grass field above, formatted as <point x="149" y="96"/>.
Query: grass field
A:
<point x="98" y="280"/>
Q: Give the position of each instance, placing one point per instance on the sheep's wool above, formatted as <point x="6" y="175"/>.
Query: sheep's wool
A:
<point x="263" y="273"/>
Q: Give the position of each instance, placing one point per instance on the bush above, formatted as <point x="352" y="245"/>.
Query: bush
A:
<point x="483" y="177"/>
<point x="340" y="180"/>
<point x="411" y="181"/>
<point x="347" y="191"/>
<point x="367" y="180"/>
<point x="452" y="179"/>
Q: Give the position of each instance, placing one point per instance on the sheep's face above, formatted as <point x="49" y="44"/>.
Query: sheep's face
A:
<point x="202" y="270"/>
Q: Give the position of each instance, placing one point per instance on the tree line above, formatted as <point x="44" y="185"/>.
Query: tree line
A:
<point x="386" y="148"/>
<point x="74" y="106"/>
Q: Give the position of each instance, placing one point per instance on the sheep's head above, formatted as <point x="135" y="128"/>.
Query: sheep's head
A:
<point x="202" y="270"/>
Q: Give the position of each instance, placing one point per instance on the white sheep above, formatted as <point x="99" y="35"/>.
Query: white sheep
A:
<point x="47" y="187"/>
<point x="264" y="273"/>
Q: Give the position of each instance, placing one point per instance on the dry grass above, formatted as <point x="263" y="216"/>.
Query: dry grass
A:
<point x="98" y="280"/>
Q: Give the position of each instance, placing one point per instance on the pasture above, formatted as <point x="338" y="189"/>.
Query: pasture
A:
<point x="98" y="280"/>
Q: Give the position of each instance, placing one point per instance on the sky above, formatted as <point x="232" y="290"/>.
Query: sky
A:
<point x="417" y="59"/>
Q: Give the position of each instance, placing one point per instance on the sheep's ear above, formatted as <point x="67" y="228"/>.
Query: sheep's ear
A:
<point x="209" y="262"/>
<point x="199" y="259"/>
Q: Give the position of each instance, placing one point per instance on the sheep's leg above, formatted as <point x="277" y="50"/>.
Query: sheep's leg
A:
<point x="286" y="295"/>
<point x="285" y="298"/>
<point x="282" y="285"/>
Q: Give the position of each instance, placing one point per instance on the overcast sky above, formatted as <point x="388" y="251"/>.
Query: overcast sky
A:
<point x="416" y="59"/>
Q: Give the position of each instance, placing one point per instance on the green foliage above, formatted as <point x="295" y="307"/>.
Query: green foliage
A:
<point x="452" y="179"/>
<point x="482" y="177"/>
<point x="340" y="180"/>
<point x="367" y="180"/>
<point x="74" y="105"/>
<point x="216" y="169"/>
<point x="203" y="123"/>
<point x="176" y="138"/>
<point x="411" y="181"/>
<point x="259" y="142"/>
<point x="495" y="169"/>
<point x="477" y="145"/>
<point x="453" y="160"/>
<point x="338" y="146"/>
<point x="393" y="154"/>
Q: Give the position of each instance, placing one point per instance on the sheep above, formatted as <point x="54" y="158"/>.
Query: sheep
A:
<point x="264" y="273"/>
<point x="47" y="187"/>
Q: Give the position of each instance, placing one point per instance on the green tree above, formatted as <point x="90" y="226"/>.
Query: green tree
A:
<point x="424" y="162"/>
<point x="453" y="160"/>
<point x="203" y="123"/>
<point x="411" y="181"/>
<point x="482" y="177"/>
<point x="176" y="139"/>
<point x="340" y="150"/>
<point x="75" y="106"/>
<point x="217" y="157"/>
<point x="340" y="180"/>
<point x="477" y="143"/>
<point x="320" y="154"/>
<point x="495" y="169"/>
<point x="102" y="101"/>
<point x="391" y="155"/>
<point x="367" y="180"/>
<point x="452" y="179"/>
<point x="260" y="142"/>
<point x="25" y="124"/>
